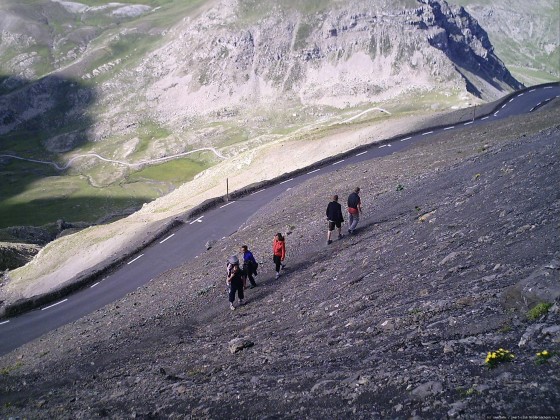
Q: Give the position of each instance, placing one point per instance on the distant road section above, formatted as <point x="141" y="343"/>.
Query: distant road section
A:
<point x="118" y="162"/>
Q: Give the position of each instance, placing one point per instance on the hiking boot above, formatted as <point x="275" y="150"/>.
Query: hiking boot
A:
<point x="277" y="275"/>
<point x="283" y="266"/>
<point x="340" y="236"/>
<point x="329" y="242"/>
<point x="231" y="307"/>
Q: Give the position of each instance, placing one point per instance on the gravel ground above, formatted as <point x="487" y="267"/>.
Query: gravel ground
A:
<point x="458" y="241"/>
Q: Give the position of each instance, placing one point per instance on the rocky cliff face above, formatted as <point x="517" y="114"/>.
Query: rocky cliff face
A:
<point x="217" y="62"/>
<point x="525" y="35"/>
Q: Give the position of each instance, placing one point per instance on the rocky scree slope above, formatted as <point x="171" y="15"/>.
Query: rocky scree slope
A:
<point x="459" y="239"/>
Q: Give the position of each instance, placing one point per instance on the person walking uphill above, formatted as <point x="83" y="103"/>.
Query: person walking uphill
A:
<point x="250" y="265"/>
<point x="278" y="252"/>
<point x="354" y="210"/>
<point x="234" y="281"/>
<point x="334" y="217"/>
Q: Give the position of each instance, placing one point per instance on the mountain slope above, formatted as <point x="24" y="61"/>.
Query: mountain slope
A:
<point x="145" y="81"/>
<point x="457" y="242"/>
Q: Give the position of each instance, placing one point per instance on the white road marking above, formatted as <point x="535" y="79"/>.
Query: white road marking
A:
<point x="521" y="94"/>
<point x="256" y="192"/>
<point x="312" y="172"/>
<point x="4" y="322"/>
<point x="169" y="237"/>
<point x="548" y="87"/>
<point x="426" y="133"/>
<point x="93" y="285"/>
<point x="225" y="205"/>
<point x="54" y="304"/>
<point x="511" y="100"/>
<point x="336" y="163"/>
<point x="496" y="113"/>
<point x="467" y="123"/>
<point x="449" y="128"/>
<point x="361" y="153"/>
<point x="408" y="138"/>
<point x="288" y="180"/>
<point x="532" y="90"/>
<point x="139" y="256"/>
<point x="385" y="145"/>
<point x="197" y="220"/>
<point x="485" y="118"/>
<point x="503" y="106"/>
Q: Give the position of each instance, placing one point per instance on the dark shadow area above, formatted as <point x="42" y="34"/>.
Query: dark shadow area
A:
<point x="70" y="212"/>
<point x="39" y="120"/>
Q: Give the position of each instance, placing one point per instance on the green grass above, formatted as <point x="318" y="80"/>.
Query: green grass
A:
<point x="538" y="311"/>
<point x="37" y="195"/>
<point x="175" y="172"/>
<point x="42" y="196"/>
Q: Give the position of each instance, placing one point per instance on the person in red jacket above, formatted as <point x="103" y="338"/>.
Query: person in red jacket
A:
<point x="278" y="252"/>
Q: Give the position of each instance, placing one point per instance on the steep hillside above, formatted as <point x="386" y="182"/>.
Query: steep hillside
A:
<point x="455" y="258"/>
<point x="138" y="83"/>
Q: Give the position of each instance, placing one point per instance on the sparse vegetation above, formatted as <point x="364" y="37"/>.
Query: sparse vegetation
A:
<point x="494" y="358"/>
<point x="538" y="311"/>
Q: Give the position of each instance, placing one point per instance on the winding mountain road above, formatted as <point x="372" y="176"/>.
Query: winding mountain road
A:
<point x="118" y="162"/>
<point x="188" y="241"/>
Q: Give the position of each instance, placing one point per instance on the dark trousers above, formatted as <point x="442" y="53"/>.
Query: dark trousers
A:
<point x="235" y="286"/>
<point x="277" y="261"/>
<point x="249" y="274"/>
<point x="251" y="278"/>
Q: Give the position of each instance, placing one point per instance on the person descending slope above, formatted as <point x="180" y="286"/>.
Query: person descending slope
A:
<point x="234" y="281"/>
<point x="334" y="218"/>
<point x="278" y="252"/>
<point x="250" y="265"/>
<point x="354" y="210"/>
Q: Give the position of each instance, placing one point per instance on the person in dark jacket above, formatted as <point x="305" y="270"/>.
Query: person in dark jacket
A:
<point x="249" y="265"/>
<point x="354" y="210"/>
<point x="334" y="218"/>
<point x="234" y="281"/>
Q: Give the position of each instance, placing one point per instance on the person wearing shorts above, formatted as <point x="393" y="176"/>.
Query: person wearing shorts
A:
<point x="334" y="218"/>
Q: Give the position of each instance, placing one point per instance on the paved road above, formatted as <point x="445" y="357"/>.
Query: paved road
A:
<point x="188" y="241"/>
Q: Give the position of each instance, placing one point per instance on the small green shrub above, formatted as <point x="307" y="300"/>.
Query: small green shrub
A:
<point x="538" y="311"/>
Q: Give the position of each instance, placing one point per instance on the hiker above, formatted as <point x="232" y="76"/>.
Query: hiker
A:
<point x="334" y="218"/>
<point x="234" y="281"/>
<point x="279" y="252"/>
<point x="354" y="210"/>
<point x="250" y="265"/>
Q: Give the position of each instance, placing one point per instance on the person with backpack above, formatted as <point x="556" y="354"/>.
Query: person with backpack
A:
<point x="250" y="265"/>
<point x="334" y="218"/>
<point x="354" y="210"/>
<point x="234" y="281"/>
<point x="278" y="252"/>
